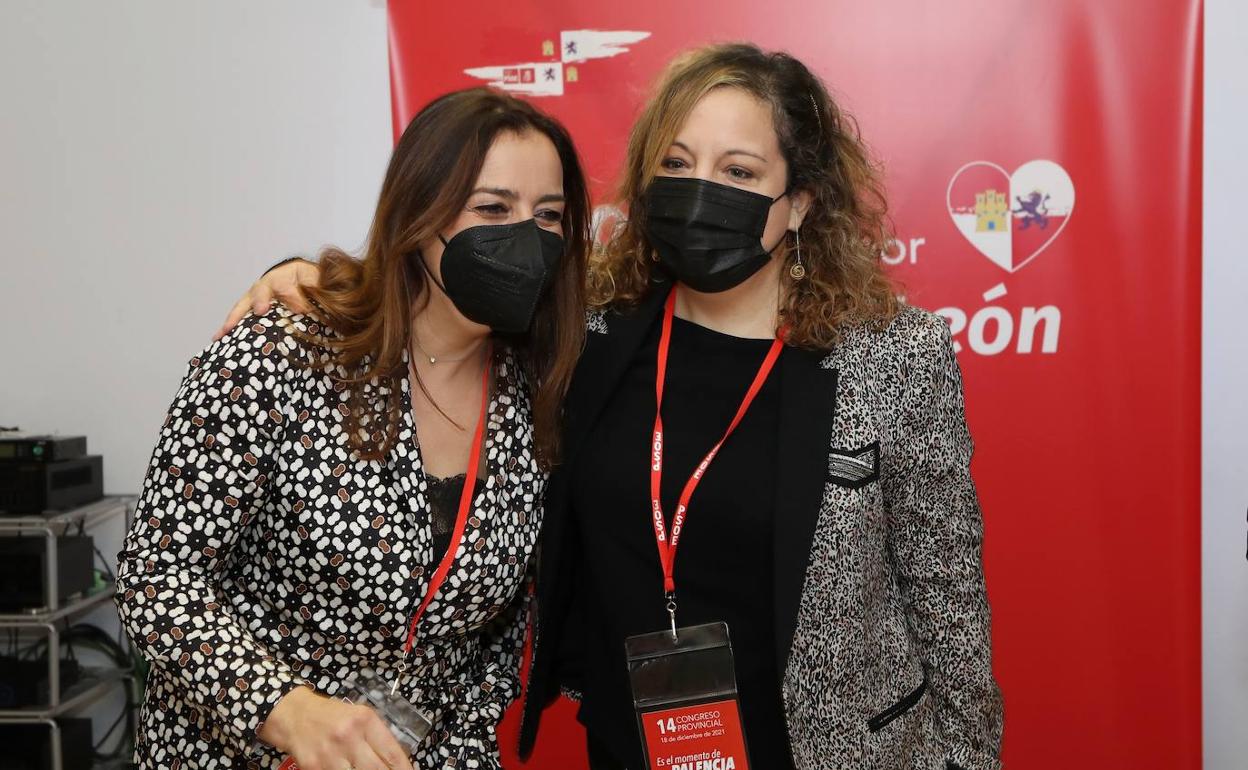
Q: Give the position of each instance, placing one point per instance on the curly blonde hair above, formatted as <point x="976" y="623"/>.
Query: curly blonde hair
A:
<point x="846" y="227"/>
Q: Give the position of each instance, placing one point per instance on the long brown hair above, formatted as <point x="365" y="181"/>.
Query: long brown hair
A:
<point x="367" y="302"/>
<point x="845" y="230"/>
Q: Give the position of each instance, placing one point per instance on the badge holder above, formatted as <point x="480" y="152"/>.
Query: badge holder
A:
<point x="407" y="724"/>
<point x="685" y="694"/>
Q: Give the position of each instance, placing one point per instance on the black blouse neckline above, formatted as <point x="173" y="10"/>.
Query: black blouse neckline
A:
<point x="712" y="336"/>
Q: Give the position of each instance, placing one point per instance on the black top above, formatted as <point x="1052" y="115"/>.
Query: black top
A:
<point x="724" y="563"/>
<point x="444" y="495"/>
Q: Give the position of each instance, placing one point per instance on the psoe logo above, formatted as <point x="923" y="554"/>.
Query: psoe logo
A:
<point x="550" y="77"/>
<point x="1011" y="219"/>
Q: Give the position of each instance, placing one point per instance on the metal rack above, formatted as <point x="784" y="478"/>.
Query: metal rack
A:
<point x="95" y="682"/>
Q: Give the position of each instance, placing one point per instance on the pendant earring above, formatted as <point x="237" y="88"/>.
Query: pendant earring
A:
<point x="797" y="272"/>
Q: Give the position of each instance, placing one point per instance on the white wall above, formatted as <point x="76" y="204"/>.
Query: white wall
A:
<point x="1225" y="387"/>
<point x="155" y="156"/>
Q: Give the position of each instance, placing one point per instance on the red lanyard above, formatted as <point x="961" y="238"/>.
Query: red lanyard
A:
<point x="667" y="551"/>
<point x="461" y="518"/>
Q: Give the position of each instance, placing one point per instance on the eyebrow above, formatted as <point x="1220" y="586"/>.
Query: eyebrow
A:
<point x="511" y="195"/>
<point x="684" y="147"/>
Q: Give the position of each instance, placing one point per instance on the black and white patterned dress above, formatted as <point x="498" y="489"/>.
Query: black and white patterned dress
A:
<point x="265" y="555"/>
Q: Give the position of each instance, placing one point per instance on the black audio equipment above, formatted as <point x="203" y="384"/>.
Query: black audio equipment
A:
<point x="29" y="746"/>
<point x="24" y="683"/>
<point x="24" y="570"/>
<point x="42" y="448"/>
<point x="36" y="486"/>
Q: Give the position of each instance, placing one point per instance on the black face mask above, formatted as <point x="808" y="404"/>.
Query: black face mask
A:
<point x="708" y="235"/>
<point x="495" y="274"/>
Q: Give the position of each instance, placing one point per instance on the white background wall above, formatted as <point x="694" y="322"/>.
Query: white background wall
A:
<point x="1225" y="387"/>
<point x="155" y="156"/>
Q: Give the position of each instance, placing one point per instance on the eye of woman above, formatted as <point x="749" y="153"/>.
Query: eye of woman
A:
<point x="549" y="216"/>
<point x="490" y="209"/>
<point x="673" y="164"/>
<point x="737" y="172"/>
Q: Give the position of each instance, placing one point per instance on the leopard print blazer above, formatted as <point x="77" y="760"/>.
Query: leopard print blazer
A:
<point x="882" y="617"/>
<point x="891" y="661"/>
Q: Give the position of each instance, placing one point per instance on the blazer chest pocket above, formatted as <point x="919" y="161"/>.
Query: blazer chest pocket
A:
<point x="856" y="467"/>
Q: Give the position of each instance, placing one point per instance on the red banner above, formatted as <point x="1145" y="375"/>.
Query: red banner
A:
<point x="1043" y="164"/>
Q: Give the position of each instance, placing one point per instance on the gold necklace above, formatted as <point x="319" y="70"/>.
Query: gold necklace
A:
<point x="436" y="359"/>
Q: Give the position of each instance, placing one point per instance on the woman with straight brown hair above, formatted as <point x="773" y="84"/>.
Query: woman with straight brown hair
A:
<point x="760" y="437"/>
<point x="350" y="502"/>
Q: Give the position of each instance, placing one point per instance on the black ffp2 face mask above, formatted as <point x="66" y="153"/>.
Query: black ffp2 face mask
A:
<point x="496" y="274"/>
<point x="708" y="235"/>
